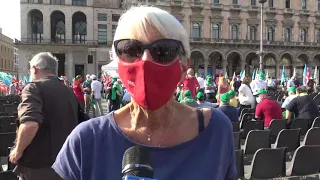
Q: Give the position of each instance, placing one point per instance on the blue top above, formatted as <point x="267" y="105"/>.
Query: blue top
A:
<point x="94" y="151"/>
<point x="230" y="111"/>
<point x="87" y="84"/>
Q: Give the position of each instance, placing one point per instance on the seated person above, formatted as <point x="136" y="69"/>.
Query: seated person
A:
<point x="188" y="99"/>
<point x="233" y="98"/>
<point x="202" y="103"/>
<point x="267" y="109"/>
<point x="292" y="95"/>
<point x="303" y="106"/>
<point x="227" y="109"/>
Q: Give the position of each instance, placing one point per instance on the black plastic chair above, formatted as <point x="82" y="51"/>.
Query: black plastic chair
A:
<point x="256" y="139"/>
<point x="312" y="137"/>
<point x="289" y="138"/>
<point x="252" y="125"/>
<point x="10" y="109"/>
<point x="6" y="140"/>
<point x="236" y="126"/>
<point x="316" y="122"/>
<point x="302" y="124"/>
<point x="276" y="125"/>
<point x="305" y="161"/>
<point x="5" y="122"/>
<point x="8" y="175"/>
<point x="239" y="163"/>
<point x="246" y="118"/>
<point x="268" y="164"/>
<point x="236" y="140"/>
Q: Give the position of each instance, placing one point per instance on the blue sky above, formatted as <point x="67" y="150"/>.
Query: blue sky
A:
<point x="10" y="18"/>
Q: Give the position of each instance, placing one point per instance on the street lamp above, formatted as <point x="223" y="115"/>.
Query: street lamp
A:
<point x="261" y="52"/>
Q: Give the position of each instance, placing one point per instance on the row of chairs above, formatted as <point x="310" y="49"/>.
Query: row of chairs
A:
<point x="270" y="163"/>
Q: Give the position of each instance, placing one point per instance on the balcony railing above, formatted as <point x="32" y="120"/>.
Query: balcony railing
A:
<point x="65" y="41"/>
<point x="252" y="42"/>
<point x="177" y="3"/>
<point x="216" y="6"/>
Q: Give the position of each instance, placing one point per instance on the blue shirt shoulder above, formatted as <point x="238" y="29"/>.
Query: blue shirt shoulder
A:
<point x="95" y="148"/>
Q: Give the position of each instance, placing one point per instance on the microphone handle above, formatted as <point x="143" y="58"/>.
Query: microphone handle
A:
<point x="136" y="178"/>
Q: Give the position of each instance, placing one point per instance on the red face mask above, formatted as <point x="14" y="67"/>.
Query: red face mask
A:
<point x="150" y="85"/>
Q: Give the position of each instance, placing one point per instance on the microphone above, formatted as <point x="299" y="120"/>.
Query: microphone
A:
<point x="136" y="164"/>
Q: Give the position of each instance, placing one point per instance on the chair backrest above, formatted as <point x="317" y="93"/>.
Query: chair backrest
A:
<point x="236" y="140"/>
<point x="9" y="108"/>
<point x="252" y="125"/>
<point x="239" y="163"/>
<point x="305" y="161"/>
<point x="243" y="111"/>
<point x="6" y="140"/>
<point x="246" y="118"/>
<point x="312" y="137"/>
<point x="276" y="126"/>
<point x="302" y="124"/>
<point x="257" y="139"/>
<point x="289" y="138"/>
<point x="269" y="163"/>
<point x="316" y="122"/>
<point x="236" y="126"/>
<point x="5" y="122"/>
<point x="8" y="175"/>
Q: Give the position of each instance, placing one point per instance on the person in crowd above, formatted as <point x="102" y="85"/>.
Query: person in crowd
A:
<point x="191" y="83"/>
<point x="291" y="95"/>
<point x="126" y="99"/>
<point x="188" y="99"/>
<point x="223" y="87"/>
<point x="202" y="103"/>
<point x="267" y="109"/>
<point x="169" y="130"/>
<point x="116" y="94"/>
<point x="109" y="92"/>
<point x="303" y="106"/>
<point x="310" y="86"/>
<point x="257" y="85"/>
<point x="96" y="87"/>
<point x="87" y="94"/>
<point x="201" y="82"/>
<point x="12" y="88"/>
<point x="227" y="109"/>
<point x="233" y="98"/>
<point x="47" y="114"/>
<point x="270" y="84"/>
<point x="290" y="82"/>
<point x="236" y="83"/>
<point x="210" y="89"/>
<point x="245" y="97"/>
<point x="78" y="89"/>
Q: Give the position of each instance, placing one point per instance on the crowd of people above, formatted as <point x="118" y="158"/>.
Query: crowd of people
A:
<point x="157" y="103"/>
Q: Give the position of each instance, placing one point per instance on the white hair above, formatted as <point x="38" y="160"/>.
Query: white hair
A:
<point x="45" y="61"/>
<point x="144" y="23"/>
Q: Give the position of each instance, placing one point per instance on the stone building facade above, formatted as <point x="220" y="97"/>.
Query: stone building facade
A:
<point x="224" y="34"/>
<point x="7" y="54"/>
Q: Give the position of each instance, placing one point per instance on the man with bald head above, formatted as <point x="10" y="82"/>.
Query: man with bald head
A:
<point x="191" y="83"/>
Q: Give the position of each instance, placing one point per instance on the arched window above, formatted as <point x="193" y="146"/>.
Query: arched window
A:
<point x="318" y="35"/>
<point x="270" y="3"/>
<point x="36" y="26"/>
<point x="253" y="2"/>
<point x="216" y="31"/>
<point x="58" y="27"/>
<point x="287" y="34"/>
<point x="304" y="35"/>
<point x="253" y="33"/>
<point x="303" y="4"/>
<point x="215" y="1"/>
<point x="79" y="2"/>
<point x="288" y="4"/>
<point x="79" y="27"/>
<point x="196" y="30"/>
<point x="234" y="32"/>
<point x="234" y="1"/>
<point x="271" y="34"/>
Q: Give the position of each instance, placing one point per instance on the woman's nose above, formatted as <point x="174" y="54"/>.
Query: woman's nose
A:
<point x="146" y="56"/>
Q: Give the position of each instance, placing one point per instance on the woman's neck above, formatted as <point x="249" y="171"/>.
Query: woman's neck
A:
<point x="150" y="121"/>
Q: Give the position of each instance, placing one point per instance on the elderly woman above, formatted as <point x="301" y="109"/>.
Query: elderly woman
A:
<point x="152" y="50"/>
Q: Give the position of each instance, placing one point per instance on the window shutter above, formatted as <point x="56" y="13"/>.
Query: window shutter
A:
<point x="230" y="31"/>
<point x="275" y="29"/>
<point x="283" y="35"/>
<point x="239" y="31"/>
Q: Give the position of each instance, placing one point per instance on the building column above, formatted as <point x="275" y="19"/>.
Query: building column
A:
<point x="224" y="66"/>
<point x="68" y="26"/>
<point x="46" y="28"/>
<point x="205" y="68"/>
<point x="243" y="65"/>
<point x="69" y="66"/>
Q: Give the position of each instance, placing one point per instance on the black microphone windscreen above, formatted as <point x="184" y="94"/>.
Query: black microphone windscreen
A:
<point x="137" y="162"/>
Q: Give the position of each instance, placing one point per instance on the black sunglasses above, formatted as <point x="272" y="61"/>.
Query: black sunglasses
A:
<point x="163" y="51"/>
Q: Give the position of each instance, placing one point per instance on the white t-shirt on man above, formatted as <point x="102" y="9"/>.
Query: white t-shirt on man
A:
<point x="96" y="86"/>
